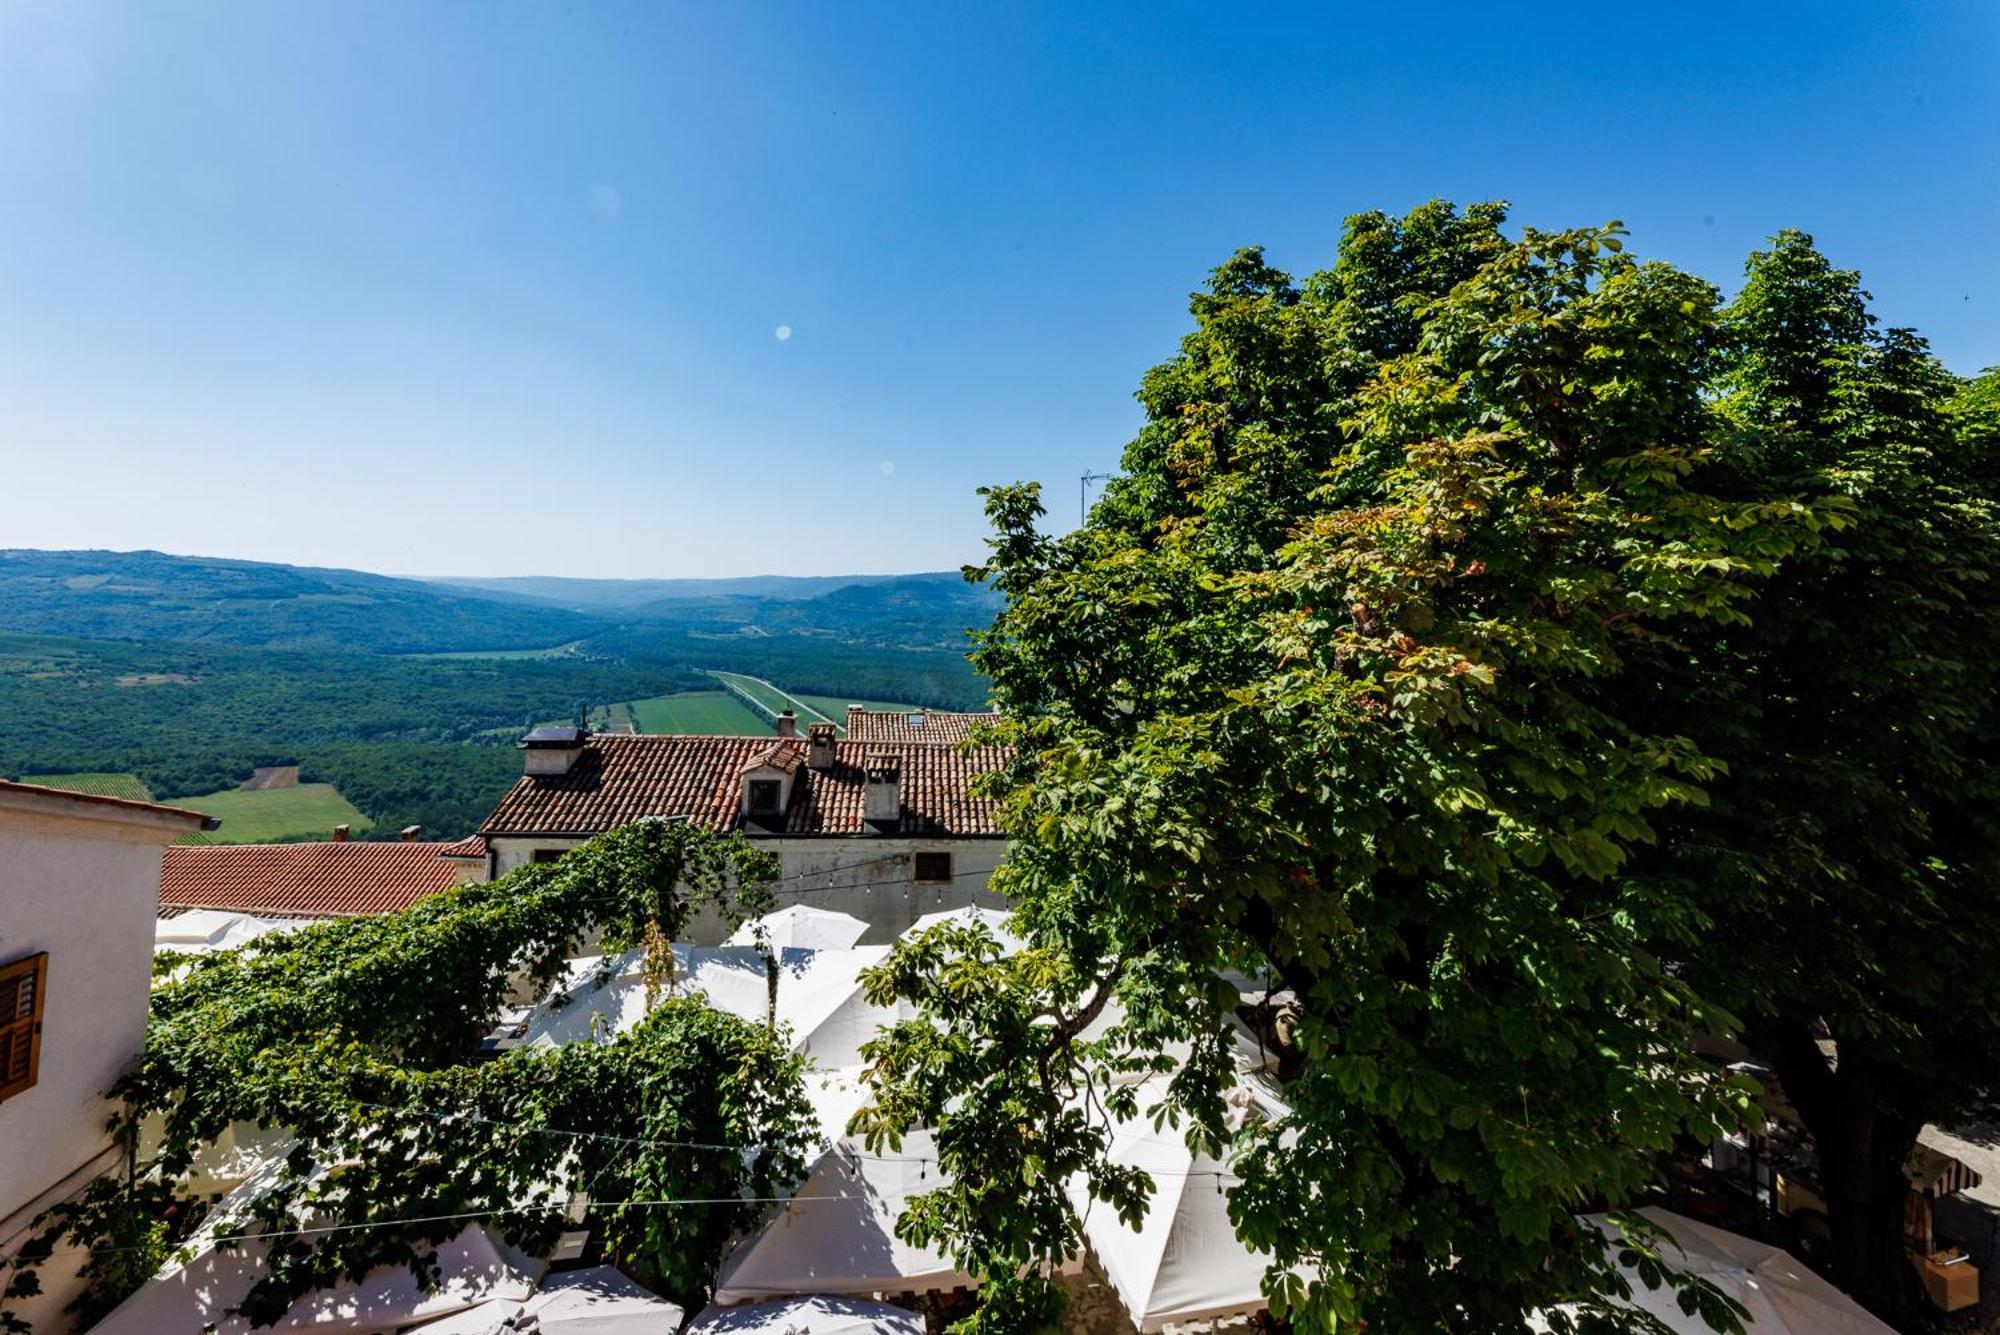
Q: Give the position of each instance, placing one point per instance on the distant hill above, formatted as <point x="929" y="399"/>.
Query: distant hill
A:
<point x="151" y="596"/>
<point x="928" y="611"/>
<point x="622" y="595"/>
<point x="154" y="596"/>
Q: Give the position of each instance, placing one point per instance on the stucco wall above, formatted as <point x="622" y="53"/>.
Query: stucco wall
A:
<point x="871" y="878"/>
<point x="86" y="891"/>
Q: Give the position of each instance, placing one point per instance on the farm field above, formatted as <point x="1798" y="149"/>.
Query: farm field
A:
<point x="696" y="711"/>
<point x="102" y="784"/>
<point x="836" y="706"/>
<point x="772" y="698"/>
<point x="302" y="811"/>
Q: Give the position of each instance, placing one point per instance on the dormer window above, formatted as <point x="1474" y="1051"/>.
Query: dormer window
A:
<point x="766" y="796"/>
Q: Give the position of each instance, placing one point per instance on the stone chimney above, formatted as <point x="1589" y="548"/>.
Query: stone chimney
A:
<point x="882" y="800"/>
<point x="788" y="724"/>
<point x="340" y="834"/>
<point x="819" y="745"/>
<point x="409" y="834"/>
<point x="552" y="751"/>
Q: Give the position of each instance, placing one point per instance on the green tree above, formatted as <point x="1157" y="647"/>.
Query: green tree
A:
<point x="360" y="1039"/>
<point x="1848" y="856"/>
<point x="1335" y="688"/>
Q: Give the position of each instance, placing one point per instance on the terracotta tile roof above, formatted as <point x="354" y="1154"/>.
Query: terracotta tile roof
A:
<point x="620" y="778"/>
<point x="777" y="756"/>
<point x="894" y="725"/>
<point x="331" y="879"/>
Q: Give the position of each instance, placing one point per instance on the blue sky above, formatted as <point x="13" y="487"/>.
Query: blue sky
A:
<point x="649" y="289"/>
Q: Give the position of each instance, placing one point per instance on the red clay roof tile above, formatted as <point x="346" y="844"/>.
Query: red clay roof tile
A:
<point x="620" y="778"/>
<point x="331" y="879"/>
<point x="896" y="725"/>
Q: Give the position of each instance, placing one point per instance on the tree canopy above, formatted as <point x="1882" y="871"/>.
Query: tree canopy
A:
<point x="359" y="1038"/>
<point x="1383" y="675"/>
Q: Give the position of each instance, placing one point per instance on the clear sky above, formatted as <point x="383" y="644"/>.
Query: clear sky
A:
<point x="720" y="288"/>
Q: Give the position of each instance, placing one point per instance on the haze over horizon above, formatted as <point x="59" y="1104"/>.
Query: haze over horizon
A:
<point x="628" y="292"/>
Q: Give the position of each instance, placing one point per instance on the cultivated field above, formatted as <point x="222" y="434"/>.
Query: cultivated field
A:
<point x="836" y="706"/>
<point x="697" y="711"/>
<point x="102" y="784"/>
<point x="304" y="811"/>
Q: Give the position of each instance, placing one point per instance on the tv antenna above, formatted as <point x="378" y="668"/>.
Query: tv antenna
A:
<point x="1083" y="495"/>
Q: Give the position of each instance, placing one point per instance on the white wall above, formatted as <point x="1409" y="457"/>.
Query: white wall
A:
<point x="869" y="877"/>
<point x="86" y="890"/>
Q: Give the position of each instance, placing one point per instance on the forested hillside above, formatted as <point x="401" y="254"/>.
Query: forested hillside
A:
<point x="153" y="596"/>
<point x="189" y="673"/>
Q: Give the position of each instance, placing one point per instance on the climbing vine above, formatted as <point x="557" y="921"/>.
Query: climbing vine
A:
<point x="361" y="1040"/>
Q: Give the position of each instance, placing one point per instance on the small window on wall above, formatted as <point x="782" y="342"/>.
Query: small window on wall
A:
<point x="764" y="797"/>
<point x="933" y="867"/>
<point x="546" y="854"/>
<point x="22" y="984"/>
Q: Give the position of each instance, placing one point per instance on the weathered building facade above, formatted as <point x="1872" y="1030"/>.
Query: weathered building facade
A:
<point x="885" y="830"/>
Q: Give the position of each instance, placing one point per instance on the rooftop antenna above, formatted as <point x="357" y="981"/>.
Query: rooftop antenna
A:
<point x="1083" y="495"/>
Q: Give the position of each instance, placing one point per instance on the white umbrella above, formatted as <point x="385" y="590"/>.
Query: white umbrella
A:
<point x="201" y="930"/>
<point x="597" y="1301"/>
<point x="473" y="1269"/>
<point x="838" y="1233"/>
<point x="820" y="1314"/>
<point x="994" y="920"/>
<point x="819" y="996"/>
<point x="1781" y="1293"/>
<point x="803" y="927"/>
<point x="1184" y="1262"/>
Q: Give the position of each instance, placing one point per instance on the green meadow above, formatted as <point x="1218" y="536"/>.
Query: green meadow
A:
<point x="304" y="811"/>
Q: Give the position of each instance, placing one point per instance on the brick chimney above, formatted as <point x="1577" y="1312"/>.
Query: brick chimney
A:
<point x="819" y="745"/>
<point x="409" y="834"/>
<point x="882" y="798"/>
<point x="788" y="724"/>
<point x="340" y="834"/>
<point x="552" y="751"/>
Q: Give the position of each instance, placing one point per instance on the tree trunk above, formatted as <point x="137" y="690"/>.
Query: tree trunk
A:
<point x="1863" y="1144"/>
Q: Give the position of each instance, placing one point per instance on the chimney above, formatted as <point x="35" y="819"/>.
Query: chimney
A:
<point x="340" y="834"/>
<point x="882" y="800"/>
<point x="819" y="746"/>
<point x="411" y="833"/>
<point x="552" y="750"/>
<point x="788" y="724"/>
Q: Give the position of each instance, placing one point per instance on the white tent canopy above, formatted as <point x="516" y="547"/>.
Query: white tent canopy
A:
<point x="1781" y="1293"/>
<point x="597" y="1301"/>
<point x="818" y="994"/>
<point x="994" y="920"/>
<point x="837" y="1235"/>
<point x="801" y="927"/>
<point x="820" y="1314"/>
<point x="1184" y="1261"/>
<point x="201" y="930"/>
<point x="473" y="1268"/>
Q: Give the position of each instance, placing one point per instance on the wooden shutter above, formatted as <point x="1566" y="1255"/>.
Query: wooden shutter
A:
<point x="23" y="984"/>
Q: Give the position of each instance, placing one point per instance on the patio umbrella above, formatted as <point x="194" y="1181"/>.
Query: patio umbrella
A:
<point x="802" y="927"/>
<point x="837" y="1235"/>
<point x="818" y="996"/>
<point x="820" y="1314"/>
<point x="597" y="1301"/>
<point x="1781" y="1293"/>
<point x="994" y="920"/>
<point x="1184" y="1262"/>
<point x="201" y="930"/>
<point x="473" y="1269"/>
